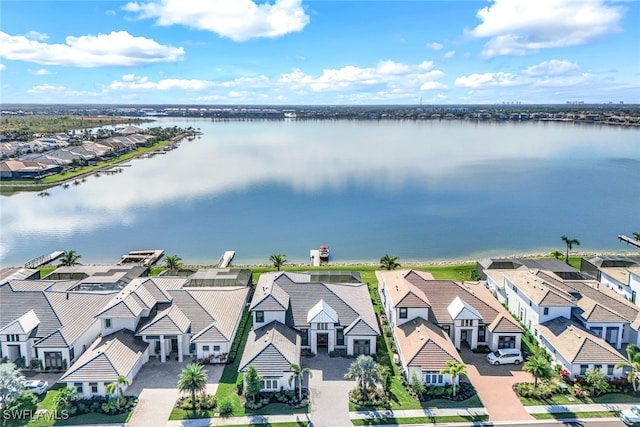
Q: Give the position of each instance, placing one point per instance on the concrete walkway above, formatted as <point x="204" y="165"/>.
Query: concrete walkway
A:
<point x="410" y="413"/>
<point x="234" y="421"/>
<point x="329" y="390"/>
<point x="580" y="407"/>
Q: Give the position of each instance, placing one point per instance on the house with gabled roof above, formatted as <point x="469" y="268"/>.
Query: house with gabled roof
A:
<point x="577" y="349"/>
<point x="320" y="317"/>
<point x="443" y="315"/>
<point x="272" y="349"/>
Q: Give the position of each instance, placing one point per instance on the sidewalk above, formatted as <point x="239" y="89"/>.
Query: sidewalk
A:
<point x="410" y="413"/>
<point x="234" y="421"/>
<point x="590" y="407"/>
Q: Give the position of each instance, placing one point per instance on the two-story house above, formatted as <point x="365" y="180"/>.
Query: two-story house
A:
<point x="444" y="315"/>
<point x="305" y="314"/>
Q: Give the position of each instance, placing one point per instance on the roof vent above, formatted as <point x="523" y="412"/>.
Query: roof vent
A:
<point x="421" y="338"/>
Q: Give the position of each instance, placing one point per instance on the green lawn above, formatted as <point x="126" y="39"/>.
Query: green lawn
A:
<point x="92" y="418"/>
<point x="422" y="420"/>
<point x="568" y="399"/>
<point x="565" y="415"/>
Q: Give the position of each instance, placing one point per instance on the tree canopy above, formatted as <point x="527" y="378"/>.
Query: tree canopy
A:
<point x="389" y="262"/>
<point x="278" y="260"/>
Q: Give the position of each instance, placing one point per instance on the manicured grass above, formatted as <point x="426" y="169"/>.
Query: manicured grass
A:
<point x="421" y="420"/>
<point x="45" y="271"/>
<point x="568" y="399"/>
<point x="565" y="415"/>
<point x="184" y="414"/>
<point x="48" y="404"/>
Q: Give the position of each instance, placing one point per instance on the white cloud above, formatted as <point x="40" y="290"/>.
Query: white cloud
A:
<point x="449" y="54"/>
<point x="40" y="72"/>
<point x="47" y="88"/>
<point x="477" y="80"/>
<point x="119" y="48"/>
<point x="551" y="68"/>
<point x="517" y="27"/>
<point x="36" y="35"/>
<point x="3" y="67"/>
<point x="553" y="73"/>
<point x="238" y="20"/>
<point x="434" y="46"/>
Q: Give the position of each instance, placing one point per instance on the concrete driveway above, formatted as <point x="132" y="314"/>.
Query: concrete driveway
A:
<point x="156" y="388"/>
<point x="329" y="390"/>
<point x="494" y="386"/>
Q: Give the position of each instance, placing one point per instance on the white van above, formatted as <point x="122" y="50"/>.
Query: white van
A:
<point x="505" y="355"/>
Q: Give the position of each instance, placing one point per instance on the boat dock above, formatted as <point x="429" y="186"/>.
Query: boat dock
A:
<point x="143" y="257"/>
<point x="628" y="240"/>
<point x="44" y="259"/>
<point x="225" y="259"/>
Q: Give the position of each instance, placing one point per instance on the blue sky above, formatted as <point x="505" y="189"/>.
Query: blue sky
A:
<point x="320" y="52"/>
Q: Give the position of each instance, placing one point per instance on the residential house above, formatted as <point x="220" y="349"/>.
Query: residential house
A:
<point x="291" y="310"/>
<point x="445" y="314"/>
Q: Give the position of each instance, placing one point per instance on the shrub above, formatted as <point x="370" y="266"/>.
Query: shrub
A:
<point x="35" y="364"/>
<point x="565" y="375"/>
<point x="338" y="353"/>
<point x="226" y="407"/>
<point x="596" y="383"/>
<point x="374" y="397"/>
<point x="544" y="390"/>
<point x="578" y="392"/>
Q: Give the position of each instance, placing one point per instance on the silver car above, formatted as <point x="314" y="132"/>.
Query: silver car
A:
<point x="631" y="416"/>
<point x="36" y="386"/>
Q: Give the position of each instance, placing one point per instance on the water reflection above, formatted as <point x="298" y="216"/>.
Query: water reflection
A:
<point x="308" y="158"/>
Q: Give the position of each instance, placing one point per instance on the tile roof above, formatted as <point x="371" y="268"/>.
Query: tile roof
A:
<point x="425" y="345"/>
<point x="458" y="309"/>
<point x="271" y="297"/>
<point x="218" y="307"/>
<point x="271" y="349"/>
<point x="350" y="301"/>
<point x="17" y="273"/>
<point x="171" y="321"/>
<point x="360" y="327"/>
<point x="400" y="293"/>
<point x="14" y="304"/>
<point x="22" y="325"/>
<point x="106" y="359"/>
<point x="540" y="291"/>
<point x="504" y="323"/>
<point x="576" y="344"/>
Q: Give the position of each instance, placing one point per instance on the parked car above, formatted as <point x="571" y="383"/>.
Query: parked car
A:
<point x="36" y="386"/>
<point x="504" y="356"/>
<point x="631" y="416"/>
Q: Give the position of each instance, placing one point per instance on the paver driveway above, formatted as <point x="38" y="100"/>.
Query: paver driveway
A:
<point x="329" y="390"/>
<point x="493" y="384"/>
<point x="155" y="386"/>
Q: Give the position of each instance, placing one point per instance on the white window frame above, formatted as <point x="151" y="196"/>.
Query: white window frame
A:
<point x="430" y="376"/>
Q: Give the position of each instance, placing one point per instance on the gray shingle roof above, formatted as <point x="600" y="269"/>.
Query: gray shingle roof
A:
<point x="171" y="321"/>
<point x="271" y="349"/>
<point x="107" y="358"/>
<point x="270" y="297"/>
<point x="15" y="304"/>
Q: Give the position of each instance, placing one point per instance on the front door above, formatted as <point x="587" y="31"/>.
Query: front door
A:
<point x="322" y="341"/>
<point x="361" y="347"/>
<point x="464" y="334"/>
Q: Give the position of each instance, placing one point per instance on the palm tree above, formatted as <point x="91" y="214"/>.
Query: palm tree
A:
<point x="454" y="369"/>
<point x="365" y="372"/>
<point x="633" y="362"/>
<point x="298" y="374"/>
<point x="116" y="388"/>
<point x="636" y="236"/>
<point x="69" y="258"/>
<point x="388" y="262"/>
<point x="556" y="254"/>
<point x="278" y="260"/>
<point x="569" y="242"/>
<point x="192" y="379"/>
<point x="539" y="367"/>
<point x="173" y="262"/>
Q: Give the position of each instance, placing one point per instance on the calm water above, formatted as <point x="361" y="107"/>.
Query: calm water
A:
<point x="419" y="190"/>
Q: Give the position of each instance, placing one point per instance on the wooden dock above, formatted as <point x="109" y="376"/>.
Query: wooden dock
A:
<point x="143" y="257"/>
<point x="225" y="259"/>
<point x="44" y="259"/>
<point x="628" y="240"/>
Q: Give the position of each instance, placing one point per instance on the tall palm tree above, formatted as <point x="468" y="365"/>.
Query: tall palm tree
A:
<point x="69" y="258"/>
<point x="632" y="362"/>
<point x="569" y="242"/>
<point x="365" y="372"/>
<point x="388" y="262"/>
<point x="556" y="254"/>
<point x="278" y="260"/>
<point x="192" y="379"/>
<point x="539" y="367"/>
<point x="116" y="388"/>
<point x="454" y="369"/>
<point x="298" y="374"/>
<point x="173" y="262"/>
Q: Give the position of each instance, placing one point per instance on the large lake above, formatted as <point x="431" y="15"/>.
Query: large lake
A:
<point x="419" y="190"/>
